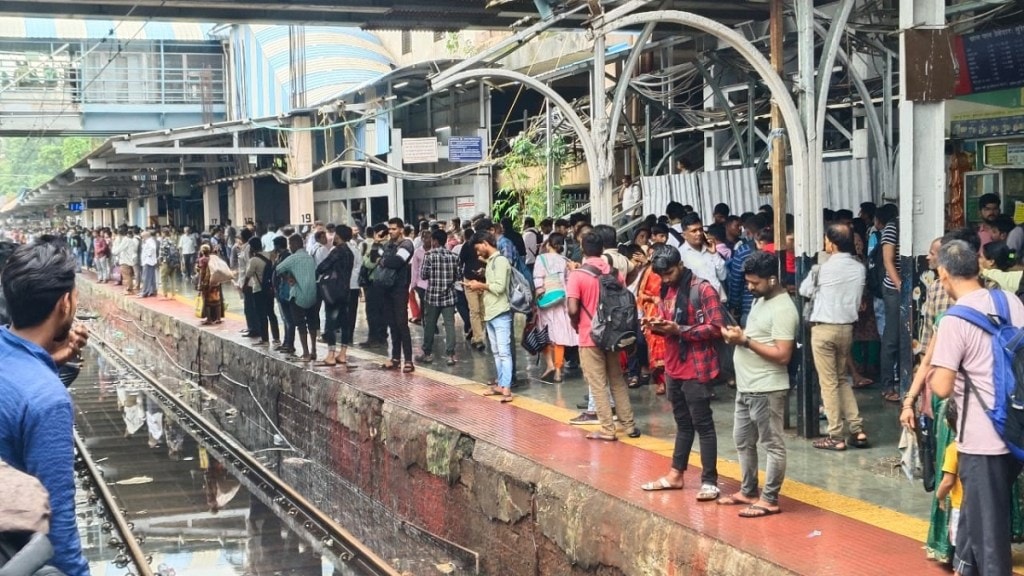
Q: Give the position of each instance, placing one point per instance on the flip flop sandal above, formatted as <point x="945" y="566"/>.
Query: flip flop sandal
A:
<point x="602" y="437"/>
<point x="506" y="399"/>
<point x="860" y="442"/>
<point x="755" y="511"/>
<point x="659" y="485"/>
<point x="408" y="368"/>
<point x="390" y="365"/>
<point x="493" y="393"/>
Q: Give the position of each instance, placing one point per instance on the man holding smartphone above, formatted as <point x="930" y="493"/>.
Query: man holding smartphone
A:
<point x="691" y="319"/>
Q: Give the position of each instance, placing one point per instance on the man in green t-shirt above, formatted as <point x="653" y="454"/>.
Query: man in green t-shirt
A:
<point x="763" y="352"/>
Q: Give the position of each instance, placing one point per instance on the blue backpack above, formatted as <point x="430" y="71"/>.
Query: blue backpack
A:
<point x="1007" y="414"/>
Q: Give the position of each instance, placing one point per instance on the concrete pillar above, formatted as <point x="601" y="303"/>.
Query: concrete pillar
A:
<point x="151" y="207"/>
<point x="300" y="163"/>
<point x="922" y="147"/>
<point x="86" y="218"/>
<point x="245" y="202"/>
<point x="211" y="205"/>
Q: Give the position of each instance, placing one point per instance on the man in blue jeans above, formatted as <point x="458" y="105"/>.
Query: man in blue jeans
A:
<point x="497" y="312"/>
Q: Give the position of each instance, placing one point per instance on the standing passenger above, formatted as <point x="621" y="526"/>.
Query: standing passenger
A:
<point x="689" y="318"/>
<point x="763" y="351"/>
<point x="36" y="415"/>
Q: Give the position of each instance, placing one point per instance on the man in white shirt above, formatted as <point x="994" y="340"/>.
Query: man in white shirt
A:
<point x="835" y="290"/>
<point x="148" y="258"/>
<point x="532" y="239"/>
<point x="187" y="249"/>
<point x="700" y="255"/>
<point x="268" y="239"/>
<point x="630" y="194"/>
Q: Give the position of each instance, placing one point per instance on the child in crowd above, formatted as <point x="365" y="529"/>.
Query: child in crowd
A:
<point x="950" y="486"/>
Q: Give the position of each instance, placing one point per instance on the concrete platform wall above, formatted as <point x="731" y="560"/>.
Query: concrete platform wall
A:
<point x="521" y="517"/>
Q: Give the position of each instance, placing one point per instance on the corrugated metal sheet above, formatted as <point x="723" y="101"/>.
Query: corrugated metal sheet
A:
<point x="69" y="29"/>
<point x="848" y="183"/>
<point x="737" y="188"/>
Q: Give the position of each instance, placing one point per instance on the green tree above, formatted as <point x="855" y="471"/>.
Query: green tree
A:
<point x="524" y="191"/>
<point x="31" y="162"/>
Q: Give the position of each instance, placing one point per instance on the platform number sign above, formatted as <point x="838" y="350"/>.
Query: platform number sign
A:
<point x="76" y="206"/>
<point x="307" y="218"/>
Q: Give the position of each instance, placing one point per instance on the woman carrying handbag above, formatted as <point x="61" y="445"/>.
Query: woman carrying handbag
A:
<point x="549" y="277"/>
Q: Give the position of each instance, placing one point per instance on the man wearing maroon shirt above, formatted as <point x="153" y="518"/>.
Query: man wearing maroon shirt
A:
<point x="691" y="319"/>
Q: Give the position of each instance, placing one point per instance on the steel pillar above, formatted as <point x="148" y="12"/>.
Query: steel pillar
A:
<point x="808" y="229"/>
<point x="601" y="188"/>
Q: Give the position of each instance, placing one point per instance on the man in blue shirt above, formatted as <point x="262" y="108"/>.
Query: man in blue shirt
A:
<point x="36" y="417"/>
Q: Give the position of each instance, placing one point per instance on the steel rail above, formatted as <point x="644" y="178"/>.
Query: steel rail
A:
<point x="349" y="548"/>
<point x="114" y="509"/>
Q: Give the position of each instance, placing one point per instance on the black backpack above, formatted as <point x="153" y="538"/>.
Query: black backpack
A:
<point x="614" y="326"/>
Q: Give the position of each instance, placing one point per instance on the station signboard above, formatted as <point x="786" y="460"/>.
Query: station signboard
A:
<point x="466" y="149"/>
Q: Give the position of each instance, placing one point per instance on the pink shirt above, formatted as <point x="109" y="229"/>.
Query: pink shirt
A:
<point x="417" y="264"/>
<point x="960" y="344"/>
<point x="584" y="287"/>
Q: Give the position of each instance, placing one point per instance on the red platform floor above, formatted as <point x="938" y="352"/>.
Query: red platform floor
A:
<point x="805" y="538"/>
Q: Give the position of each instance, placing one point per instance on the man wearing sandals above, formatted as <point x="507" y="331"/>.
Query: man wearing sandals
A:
<point x="763" y="351"/>
<point x="497" y="312"/>
<point x="691" y="327"/>
<point x="835" y="291"/>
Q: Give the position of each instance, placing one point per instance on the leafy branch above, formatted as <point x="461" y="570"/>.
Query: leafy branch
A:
<point x="524" y="190"/>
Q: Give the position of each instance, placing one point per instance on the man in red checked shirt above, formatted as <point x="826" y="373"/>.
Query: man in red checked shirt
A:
<point x="691" y="320"/>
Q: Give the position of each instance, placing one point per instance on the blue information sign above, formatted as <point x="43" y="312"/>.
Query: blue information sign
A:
<point x="465" y="149"/>
<point x="76" y="206"/>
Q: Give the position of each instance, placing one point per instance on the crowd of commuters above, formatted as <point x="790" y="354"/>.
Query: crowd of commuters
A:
<point x="716" y="302"/>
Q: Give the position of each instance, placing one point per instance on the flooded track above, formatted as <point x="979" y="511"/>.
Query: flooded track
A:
<point x="200" y="503"/>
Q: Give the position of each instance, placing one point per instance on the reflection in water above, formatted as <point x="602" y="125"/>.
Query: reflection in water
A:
<point x="192" y="515"/>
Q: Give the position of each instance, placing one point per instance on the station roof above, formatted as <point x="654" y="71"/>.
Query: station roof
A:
<point x="367" y="14"/>
<point x="147" y="163"/>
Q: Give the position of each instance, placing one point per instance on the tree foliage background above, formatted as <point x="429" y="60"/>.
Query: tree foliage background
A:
<point x="29" y="162"/>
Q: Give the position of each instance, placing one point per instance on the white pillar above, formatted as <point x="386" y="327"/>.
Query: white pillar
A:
<point x="922" y="179"/>
<point x="602" y="191"/>
<point x="211" y="205"/>
<point x="300" y="163"/>
<point x="245" y="202"/>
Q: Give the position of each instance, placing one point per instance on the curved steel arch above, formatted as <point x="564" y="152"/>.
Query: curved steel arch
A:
<point x="589" y="151"/>
<point x="808" y="233"/>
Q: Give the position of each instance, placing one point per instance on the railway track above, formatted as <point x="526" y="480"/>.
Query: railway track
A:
<point x="321" y="532"/>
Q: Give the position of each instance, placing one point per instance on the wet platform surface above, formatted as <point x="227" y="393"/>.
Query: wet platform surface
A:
<point x="844" y="513"/>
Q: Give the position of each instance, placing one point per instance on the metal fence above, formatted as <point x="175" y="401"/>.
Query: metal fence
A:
<point x="848" y="182"/>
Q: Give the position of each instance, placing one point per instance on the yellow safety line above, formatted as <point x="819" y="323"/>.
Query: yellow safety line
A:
<point x="867" y="512"/>
<point x="854" y="508"/>
<point x="857" y="509"/>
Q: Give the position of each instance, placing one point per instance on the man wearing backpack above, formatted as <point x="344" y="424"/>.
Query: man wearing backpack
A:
<point x="966" y="357"/>
<point x="586" y="297"/>
<point x="497" y="312"/>
<point x="691" y="319"/>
